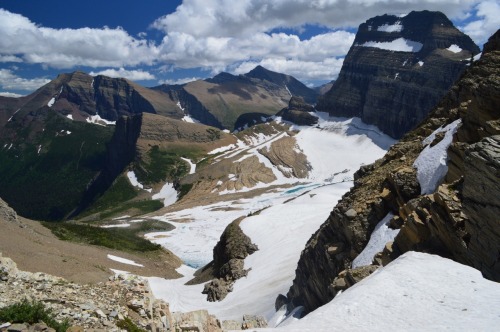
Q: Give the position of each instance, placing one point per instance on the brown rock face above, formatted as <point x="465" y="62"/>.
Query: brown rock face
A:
<point x="460" y="220"/>
<point x="395" y="90"/>
<point x="228" y="264"/>
<point x="298" y="112"/>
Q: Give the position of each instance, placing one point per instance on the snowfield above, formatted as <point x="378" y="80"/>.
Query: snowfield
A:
<point x="416" y="292"/>
<point x="288" y="218"/>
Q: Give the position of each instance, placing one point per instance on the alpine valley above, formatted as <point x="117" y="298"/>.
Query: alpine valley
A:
<point x="255" y="202"/>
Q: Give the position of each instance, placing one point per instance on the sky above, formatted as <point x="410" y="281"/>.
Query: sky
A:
<point x="171" y="41"/>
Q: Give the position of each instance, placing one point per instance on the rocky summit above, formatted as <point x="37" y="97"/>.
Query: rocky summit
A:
<point x="455" y="216"/>
<point x="398" y="69"/>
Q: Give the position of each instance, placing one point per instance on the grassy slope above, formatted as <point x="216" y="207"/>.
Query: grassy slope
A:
<point x="49" y="184"/>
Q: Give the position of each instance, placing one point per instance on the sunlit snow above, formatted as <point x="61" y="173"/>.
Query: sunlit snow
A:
<point x="124" y="260"/>
<point x="397" y="27"/>
<point x="192" y="166"/>
<point x="454" y="48"/>
<point x="282" y="229"/>
<point x="379" y="237"/>
<point x="51" y="102"/>
<point x="400" y="45"/>
<point x="69" y="116"/>
<point x="431" y="164"/>
<point x="167" y="193"/>
<point x="416" y="292"/>
<point x="96" y="119"/>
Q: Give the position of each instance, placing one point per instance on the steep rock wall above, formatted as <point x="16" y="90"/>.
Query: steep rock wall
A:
<point x="398" y="69"/>
<point x="459" y="220"/>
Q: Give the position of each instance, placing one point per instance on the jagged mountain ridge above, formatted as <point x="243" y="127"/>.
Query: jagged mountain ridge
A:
<point x="397" y="70"/>
<point x="459" y="219"/>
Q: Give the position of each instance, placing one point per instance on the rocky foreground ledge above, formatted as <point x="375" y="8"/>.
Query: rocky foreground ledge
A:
<point x="101" y="306"/>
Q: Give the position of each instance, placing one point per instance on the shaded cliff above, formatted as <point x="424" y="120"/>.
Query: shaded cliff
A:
<point x="398" y="69"/>
<point x="458" y="219"/>
<point x="120" y="152"/>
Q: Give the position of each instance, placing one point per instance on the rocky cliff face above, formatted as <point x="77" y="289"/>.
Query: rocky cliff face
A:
<point x="458" y="219"/>
<point x="298" y="112"/>
<point x="398" y="69"/>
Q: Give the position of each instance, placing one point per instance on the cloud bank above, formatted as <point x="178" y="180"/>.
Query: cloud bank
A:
<point x="218" y="35"/>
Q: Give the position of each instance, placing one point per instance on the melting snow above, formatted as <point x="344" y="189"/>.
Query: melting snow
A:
<point x="116" y="226"/>
<point x="180" y="106"/>
<point x="96" y="119"/>
<point x="380" y="236"/>
<point x="188" y="118"/>
<point x="454" y="48"/>
<point x="133" y="180"/>
<point x="400" y="45"/>
<point x="288" y="91"/>
<point x="167" y="193"/>
<point x="51" y="102"/>
<point x="39" y="149"/>
<point x="70" y="116"/>
<point x="431" y="164"/>
<point x="281" y="230"/>
<point x="396" y="27"/>
<point x="191" y="165"/>
<point x="124" y="260"/>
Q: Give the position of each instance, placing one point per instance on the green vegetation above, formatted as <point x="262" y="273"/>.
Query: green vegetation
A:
<point x="142" y="207"/>
<point x="45" y="175"/>
<point x="128" y="324"/>
<point x="213" y="134"/>
<point x="114" y="238"/>
<point x="184" y="189"/>
<point x="165" y="164"/>
<point x="31" y="313"/>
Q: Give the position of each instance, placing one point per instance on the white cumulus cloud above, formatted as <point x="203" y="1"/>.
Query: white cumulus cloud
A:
<point x="66" y="48"/>
<point x="133" y="75"/>
<point x="10" y="81"/>
<point x="179" y="80"/>
<point x="480" y="30"/>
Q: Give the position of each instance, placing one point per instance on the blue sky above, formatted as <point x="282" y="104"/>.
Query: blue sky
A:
<point x="164" y="41"/>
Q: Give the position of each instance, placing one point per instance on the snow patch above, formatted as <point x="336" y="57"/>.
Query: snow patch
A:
<point x="116" y="226"/>
<point x="51" y="102"/>
<point x="133" y="180"/>
<point x="124" y="260"/>
<point x="192" y="166"/>
<point x="167" y="193"/>
<point x="420" y="63"/>
<point x="396" y="27"/>
<point x="454" y="48"/>
<point x="96" y="119"/>
<point x="378" y="239"/>
<point x="431" y="163"/>
<point x="288" y="91"/>
<point x="400" y="45"/>
<point x="70" y="116"/>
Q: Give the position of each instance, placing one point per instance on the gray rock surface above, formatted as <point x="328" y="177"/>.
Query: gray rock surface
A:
<point x="396" y="90"/>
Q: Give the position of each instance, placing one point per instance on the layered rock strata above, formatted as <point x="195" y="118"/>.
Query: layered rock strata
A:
<point x="459" y="219"/>
<point x="398" y="69"/>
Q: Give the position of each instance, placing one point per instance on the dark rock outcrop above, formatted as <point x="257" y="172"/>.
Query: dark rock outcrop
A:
<point x="298" y="112"/>
<point x="395" y="90"/>
<point x="228" y="264"/>
<point x="459" y="220"/>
